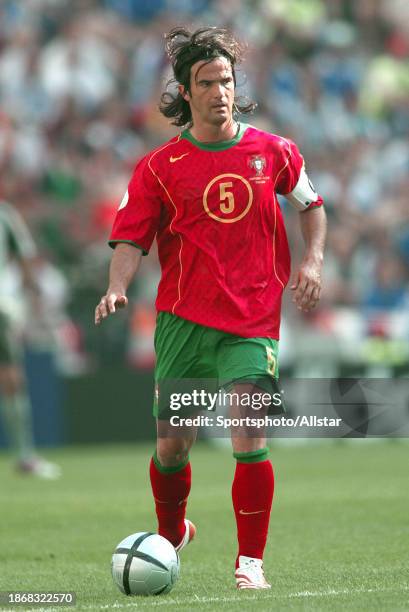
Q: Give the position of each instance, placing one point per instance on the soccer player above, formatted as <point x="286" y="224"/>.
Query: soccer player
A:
<point x="17" y="249"/>
<point x="209" y="196"/>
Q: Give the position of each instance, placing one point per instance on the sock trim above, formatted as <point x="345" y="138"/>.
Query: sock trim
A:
<point x="252" y="456"/>
<point x="172" y="469"/>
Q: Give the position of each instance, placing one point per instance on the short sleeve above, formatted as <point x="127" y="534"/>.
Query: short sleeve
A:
<point x="138" y="216"/>
<point x="289" y="168"/>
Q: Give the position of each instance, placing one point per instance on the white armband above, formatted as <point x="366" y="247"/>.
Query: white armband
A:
<point x="124" y="200"/>
<point x="303" y="193"/>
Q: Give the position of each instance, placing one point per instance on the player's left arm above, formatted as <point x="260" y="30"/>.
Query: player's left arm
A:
<point x="307" y="280"/>
<point x="293" y="182"/>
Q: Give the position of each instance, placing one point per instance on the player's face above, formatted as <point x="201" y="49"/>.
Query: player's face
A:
<point x="211" y="93"/>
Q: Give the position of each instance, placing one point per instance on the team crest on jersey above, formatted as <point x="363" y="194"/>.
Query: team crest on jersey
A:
<point x="258" y="163"/>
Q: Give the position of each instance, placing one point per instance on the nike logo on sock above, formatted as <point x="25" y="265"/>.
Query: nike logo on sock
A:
<point x="255" y="512"/>
<point x="159" y="501"/>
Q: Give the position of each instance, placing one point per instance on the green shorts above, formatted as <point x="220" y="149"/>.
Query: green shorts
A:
<point x="191" y="356"/>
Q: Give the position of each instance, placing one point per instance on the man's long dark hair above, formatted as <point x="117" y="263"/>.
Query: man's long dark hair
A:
<point x="184" y="49"/>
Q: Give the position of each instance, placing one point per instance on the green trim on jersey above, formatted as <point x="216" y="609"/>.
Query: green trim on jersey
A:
<point x="252" y="456"/>
<point x="112" y="244"/>
<point x="222" y="145"/>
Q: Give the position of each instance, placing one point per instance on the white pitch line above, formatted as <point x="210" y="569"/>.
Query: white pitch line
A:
<point x="345" y="592"/>
<point x="209" y="600"/>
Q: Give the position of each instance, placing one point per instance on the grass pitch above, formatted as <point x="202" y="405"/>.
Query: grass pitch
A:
<point x="339" y="535"/>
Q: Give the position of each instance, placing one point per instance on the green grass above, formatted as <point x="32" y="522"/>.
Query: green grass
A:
<point x="339" y="536"/>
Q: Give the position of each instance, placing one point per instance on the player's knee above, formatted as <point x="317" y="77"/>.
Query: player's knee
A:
<point x="243" y="444"/>
<point x="172" y="452"/>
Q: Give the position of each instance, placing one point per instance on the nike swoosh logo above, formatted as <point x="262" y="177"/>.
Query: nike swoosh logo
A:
<point x="174" y="159"/>
<point x="159" y="501"/>
<point x="256" y="512"/>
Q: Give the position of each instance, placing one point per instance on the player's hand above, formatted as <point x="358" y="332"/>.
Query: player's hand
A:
<point x="109" y="304"/>
<point x="307" y="285"/>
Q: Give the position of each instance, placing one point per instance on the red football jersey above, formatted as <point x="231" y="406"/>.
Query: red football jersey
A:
<point x="221" y="238"/>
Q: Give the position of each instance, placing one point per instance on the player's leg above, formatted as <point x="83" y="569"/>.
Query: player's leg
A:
<point x="170" y="475"/>
<point x="16" y="411"/>
<point x="179" y="359"/>
<point x="15" y="403"/>
<point x="252" y="494"/>
<point x="244" y="360"/>
<point x="16" y="407"/>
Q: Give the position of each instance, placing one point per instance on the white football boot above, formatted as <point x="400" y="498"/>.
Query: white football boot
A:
<point x="40" y="468"/>
<point x="250" y="574"/>
<point x="188" y="537"/>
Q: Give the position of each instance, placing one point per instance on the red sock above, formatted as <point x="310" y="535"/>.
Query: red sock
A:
<point x="170" y="490"/>
<point x="252" y="493"/>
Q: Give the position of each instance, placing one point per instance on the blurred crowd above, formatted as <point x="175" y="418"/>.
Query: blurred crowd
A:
<point x="79" y="88"/>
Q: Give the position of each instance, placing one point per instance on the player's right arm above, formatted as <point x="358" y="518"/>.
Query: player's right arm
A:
<point x="124" y="265"/>
<point x="134" y="229"/>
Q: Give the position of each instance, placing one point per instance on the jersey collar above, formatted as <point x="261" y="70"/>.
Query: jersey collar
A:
<point x="216" y="146"/>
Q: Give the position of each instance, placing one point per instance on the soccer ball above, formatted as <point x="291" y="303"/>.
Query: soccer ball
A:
<point x="145" y="564"/>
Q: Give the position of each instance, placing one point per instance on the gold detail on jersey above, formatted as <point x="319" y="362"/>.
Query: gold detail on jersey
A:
<point x="226" y="195"/>
<point x="175" y="159"/>
<point x="168" y="144"/>
<point x="275" y="213"/>
<point x="227" y="202"/>
<point x="271" y="360"/>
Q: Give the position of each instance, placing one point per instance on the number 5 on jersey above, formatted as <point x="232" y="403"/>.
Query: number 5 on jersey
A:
<point x="226" y="195"/>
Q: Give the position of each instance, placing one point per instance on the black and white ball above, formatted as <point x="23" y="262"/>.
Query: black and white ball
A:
<point x="145" y="564"/>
